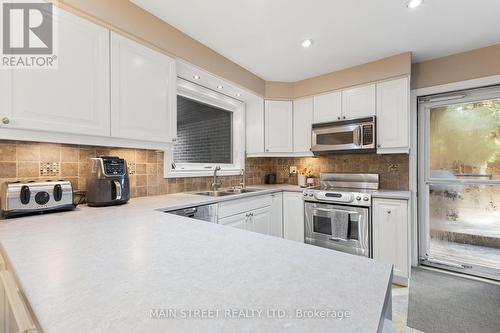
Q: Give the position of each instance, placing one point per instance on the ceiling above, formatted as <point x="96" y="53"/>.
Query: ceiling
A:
<point x="264" y="36"/>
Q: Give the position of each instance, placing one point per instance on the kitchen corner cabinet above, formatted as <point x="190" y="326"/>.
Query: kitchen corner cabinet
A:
<point x="72" y="98"/>
<point x="393" y="100"/>
<point x="278" y="126"/>
<point x="302" y="124"/>
<point x="359" y="102"/>
<point x="293" y="216"/>
<point x="391" y="236"/>
<point x="257" y="214"/>
<point x="143" y="92"/>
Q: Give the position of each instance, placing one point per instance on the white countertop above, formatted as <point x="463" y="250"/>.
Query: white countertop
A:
<point x="104" y="269"/>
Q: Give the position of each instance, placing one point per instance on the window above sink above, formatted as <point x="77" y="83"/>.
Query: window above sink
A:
<point x="211" y="133"/>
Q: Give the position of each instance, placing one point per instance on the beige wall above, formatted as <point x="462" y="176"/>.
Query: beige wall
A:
<point x="394" y="66"/>
<point x="458" y="67"/>
<point x="124" y="16"/>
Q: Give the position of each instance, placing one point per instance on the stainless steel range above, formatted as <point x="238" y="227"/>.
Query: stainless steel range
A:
<point x="338" y="212"/>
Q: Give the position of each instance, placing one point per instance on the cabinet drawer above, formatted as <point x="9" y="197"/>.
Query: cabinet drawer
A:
<point x="239" y="206"/>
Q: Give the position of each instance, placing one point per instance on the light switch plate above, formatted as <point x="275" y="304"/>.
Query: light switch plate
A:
<point x="293" y="170"/>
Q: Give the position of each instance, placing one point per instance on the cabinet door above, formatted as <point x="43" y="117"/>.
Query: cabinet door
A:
<point x="260" y="221"/>
<point x="278" y="124"/>
<point x="293" y="216"/>
<point x="277" y="215"/>
<point x="236" y="221"/>
<point x="72" y="98"/>
<point x="143" y="92"/>
<point x="358" y="102"/>
<point x="302" y="124"/>
<point x="255" y="126"/>
<point x="390" y="234"/>
<point x="328" y="107"/>
<point x="393" y="116"/>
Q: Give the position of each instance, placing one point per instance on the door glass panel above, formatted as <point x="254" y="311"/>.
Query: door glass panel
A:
<point x="462" y="143"/>
<point x="340" y="138"/>
<point x="465" y="141"/>
<point x="465" y="224"/>
<point x="322" y="225"/>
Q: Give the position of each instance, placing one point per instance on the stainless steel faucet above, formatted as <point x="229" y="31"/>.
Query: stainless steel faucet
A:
<point x="243" y="182"/>
<point x="215" y="184"/>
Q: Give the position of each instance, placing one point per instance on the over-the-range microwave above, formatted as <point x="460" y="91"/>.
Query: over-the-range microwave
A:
<point x="357" y="135"/>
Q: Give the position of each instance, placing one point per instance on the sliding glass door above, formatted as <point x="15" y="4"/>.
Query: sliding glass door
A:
<point x="459" y="181"/>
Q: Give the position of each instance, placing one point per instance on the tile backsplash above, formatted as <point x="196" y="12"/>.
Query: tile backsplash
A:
<point x="393" y="169"/>
<point x="25" y="161"/>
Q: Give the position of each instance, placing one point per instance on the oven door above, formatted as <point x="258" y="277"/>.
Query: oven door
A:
<point x="337" y="137"/>
<point x="337" y="227"/>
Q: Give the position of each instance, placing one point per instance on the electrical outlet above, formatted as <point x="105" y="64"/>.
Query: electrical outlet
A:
<point x="293" y="170"/>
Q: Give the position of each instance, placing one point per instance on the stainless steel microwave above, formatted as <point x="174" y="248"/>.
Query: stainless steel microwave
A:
<point x="344" y="136"/>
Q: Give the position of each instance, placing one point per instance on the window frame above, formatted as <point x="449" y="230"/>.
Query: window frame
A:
<point x="207" y="96"/>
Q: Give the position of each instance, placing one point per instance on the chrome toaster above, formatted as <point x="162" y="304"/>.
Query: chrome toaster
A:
<point x="35" y="197"/>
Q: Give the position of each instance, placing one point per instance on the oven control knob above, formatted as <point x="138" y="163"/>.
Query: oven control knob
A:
<point x="311" y="195"/>
<point x="358" y="198"/>
<point x="366" y="198"/>
<point x="305" y="194"/>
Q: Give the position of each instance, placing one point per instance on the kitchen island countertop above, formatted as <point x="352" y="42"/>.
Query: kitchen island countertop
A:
<point x="109" y="269"/>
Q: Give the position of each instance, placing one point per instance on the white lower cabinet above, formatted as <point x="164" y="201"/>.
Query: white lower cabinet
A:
<point x="257" y="214"/>
<point x="277" y="215"/>
<point x="390" y="236"/>
<point x="262" y="214"/>
<point x="236" y="221"/>
<point x="293" y="216"/>
<point x="15" y="315"/>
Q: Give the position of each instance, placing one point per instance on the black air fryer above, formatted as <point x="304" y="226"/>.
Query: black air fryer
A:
<point x="107" y="183"/>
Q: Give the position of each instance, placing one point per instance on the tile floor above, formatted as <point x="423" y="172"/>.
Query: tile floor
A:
<point x="400" y="310"/>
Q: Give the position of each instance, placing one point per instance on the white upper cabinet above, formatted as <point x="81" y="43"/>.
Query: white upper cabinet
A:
<point x="143" y="92"/>
<point x="328" y="107"/>
<point x="393" y="116"/>
<point x="72" y="98"/>
<point x="302" y="124"/>
<point x="278" y="126"/>
<point x="358" y="102"/>
<point x="255" y="126"/>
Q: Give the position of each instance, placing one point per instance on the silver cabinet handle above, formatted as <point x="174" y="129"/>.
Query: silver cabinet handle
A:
<point x="338" y="118"/>
<point x="343" y="117"/>
<point x="379" y="145"/>
<point x="389" y="211"/>
<point x="5" y="121"/>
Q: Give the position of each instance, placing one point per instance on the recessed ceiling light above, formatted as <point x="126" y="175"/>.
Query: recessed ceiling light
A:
<point x="220" y="86"/>
<point x="414" y="3"/>
<point x="196" y="77"/>
<point x="238" y="94"/>
<point x="307" y="43"/>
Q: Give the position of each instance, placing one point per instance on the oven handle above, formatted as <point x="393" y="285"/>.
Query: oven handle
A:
<point x="335" y="210"/>
<point x="338" y="239"/>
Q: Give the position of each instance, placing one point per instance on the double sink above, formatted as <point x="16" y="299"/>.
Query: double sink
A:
<point x="228" y="191"/>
